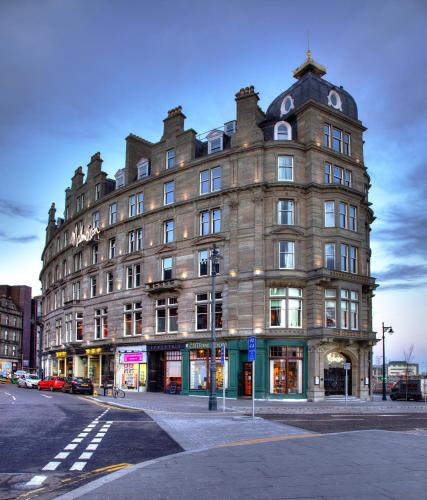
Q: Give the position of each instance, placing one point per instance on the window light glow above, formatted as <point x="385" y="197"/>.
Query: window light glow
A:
<point x="258" y="271"/>
<point x="233" y="273"/>
<point x="232" y="331"/>
<point x="258" y="330"/>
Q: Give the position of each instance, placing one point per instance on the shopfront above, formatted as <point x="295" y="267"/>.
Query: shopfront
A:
<point x="281" y="369"/>
<point x="165" y="368"/>
<point x="199" y="367"/>
<point x="131" y="372"/>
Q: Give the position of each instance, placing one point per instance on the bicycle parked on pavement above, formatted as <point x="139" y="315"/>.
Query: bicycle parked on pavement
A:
<point x="118" y="393"/>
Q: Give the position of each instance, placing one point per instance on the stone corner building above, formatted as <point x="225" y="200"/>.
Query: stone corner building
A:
<point x="284" y="196"/>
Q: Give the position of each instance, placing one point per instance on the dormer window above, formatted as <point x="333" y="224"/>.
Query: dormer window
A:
<point x="170" y="158"/>
<point x="215" y="141"/>
<point x="143" y="167"/>
<point x="282" y="131"/>
<point x="334" y="100"/>
<point x="230" y="127"/>
<point x="120" y="178"/>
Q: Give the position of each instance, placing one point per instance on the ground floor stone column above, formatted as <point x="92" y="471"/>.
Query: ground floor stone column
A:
<point x="315" y="386"/>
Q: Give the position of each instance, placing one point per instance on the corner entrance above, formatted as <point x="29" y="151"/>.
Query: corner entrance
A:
<point x="334" y="375"/>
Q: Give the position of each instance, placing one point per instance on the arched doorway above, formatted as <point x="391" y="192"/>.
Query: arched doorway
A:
<point x="334" y="377"/>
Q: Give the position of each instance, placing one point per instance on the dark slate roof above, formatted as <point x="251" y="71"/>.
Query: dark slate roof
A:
<point x="312" y="86"/>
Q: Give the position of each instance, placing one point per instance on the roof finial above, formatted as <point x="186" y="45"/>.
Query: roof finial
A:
<point x="308" y="47"/>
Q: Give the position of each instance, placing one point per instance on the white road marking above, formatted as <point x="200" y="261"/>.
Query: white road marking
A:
<point x="109" y="421"/>
<point x="36" y="481"/>
<point x="91" y="447"/>
<point x="96" y="440"/>
<point x="83" y="434"/>
<point x="8" y="393"/>
<point x="78" y="466"/>
<point x="100" y="435"/>
<point x="77" y="440"/>
<point x="87" y="429"/>
<point x="91" y="426"/>
<point x="70" y="447"/>
<point x="62" y="455"/>
<point x="86" y="455"/>
<point x="45" y="396"/>
<point x="51" y="466"/>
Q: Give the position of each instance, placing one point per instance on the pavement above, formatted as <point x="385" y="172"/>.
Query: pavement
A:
<point x="292" y="452"/>
<point x="173" y="404"/>
<point x="369" y="465"/>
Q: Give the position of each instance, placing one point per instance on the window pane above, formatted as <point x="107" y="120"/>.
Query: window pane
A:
<point x="285" y="168"/>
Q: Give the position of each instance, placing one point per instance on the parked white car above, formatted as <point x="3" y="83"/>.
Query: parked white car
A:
<point x="28" y="381"/>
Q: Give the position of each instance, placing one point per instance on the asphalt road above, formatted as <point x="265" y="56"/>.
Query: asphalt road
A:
<point x="57" y="442"/>
<point x="324" y="423"/>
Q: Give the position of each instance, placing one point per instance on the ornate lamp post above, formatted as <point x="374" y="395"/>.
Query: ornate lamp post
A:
<point x="386" y="329"/>
<point x="215" y="258"/>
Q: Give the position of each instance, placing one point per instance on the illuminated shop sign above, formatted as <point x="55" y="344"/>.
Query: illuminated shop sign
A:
<point x="133" y="357"/>
<point x="80" y="235"/>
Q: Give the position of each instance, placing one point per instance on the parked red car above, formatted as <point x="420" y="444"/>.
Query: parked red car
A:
<point x="51" y="383"/>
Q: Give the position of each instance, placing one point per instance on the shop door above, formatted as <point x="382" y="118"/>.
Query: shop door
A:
<point x="247" y="379"/>
<point x="156" y="371"/>
<point x="335" y="382"/>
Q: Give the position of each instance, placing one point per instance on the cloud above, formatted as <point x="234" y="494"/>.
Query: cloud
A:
<point x="406" y="272"/>
<point x="14" y="209"/>
<point x="401" y="286"/>
<point x="18" y="239"/>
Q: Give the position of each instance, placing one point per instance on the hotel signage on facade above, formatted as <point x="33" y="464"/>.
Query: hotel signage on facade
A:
<point x="80" y="235"/>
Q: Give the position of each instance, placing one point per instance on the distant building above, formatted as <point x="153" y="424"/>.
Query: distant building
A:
<point x="10" y="337"/>
<point x="401" y="369"/>
<point x="20" y="296"/>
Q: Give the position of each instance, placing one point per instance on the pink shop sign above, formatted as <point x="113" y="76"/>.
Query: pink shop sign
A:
<point x="134" y="357"/>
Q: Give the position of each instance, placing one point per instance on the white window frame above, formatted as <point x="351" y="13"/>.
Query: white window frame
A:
<point x="286" y="168"/>
<point x="333" y="255"/>
<point x="286" y="248"/>
<point x="212" y="137"/>
<point x="164" y="269"/>
<point x="132" y="205"/>
<point x="291" y="212"/>
<point x="93" y="287"/>
<point x="169" y="304"/>
<point x="131" y="241"/>
<point x="95" y="219"/>
<point x="288" y="128"/>
<point x="143" y="168"/>
<point x="132" y="309"/>
<point x="140" y="203"/>
<point x="110" y="282"/>
<point x="208" y="302"/>
<point x="170" y="158"/>
<point x="112" y="248"/>
<point x="112" y="213"/>
<point x="167" y="192"/>
<point x="328" y="212"/>
<point x="285" y="299"/>
<point x="101" y="322"/>
<point x="330" y="296"/>
<point x="97" y="191"/>
<point x="168" y="231"/>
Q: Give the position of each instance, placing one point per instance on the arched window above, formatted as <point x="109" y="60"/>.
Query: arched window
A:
<point x="282" y="131"/>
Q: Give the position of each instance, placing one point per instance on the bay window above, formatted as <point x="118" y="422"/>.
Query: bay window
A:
<point x="286" y="307"/>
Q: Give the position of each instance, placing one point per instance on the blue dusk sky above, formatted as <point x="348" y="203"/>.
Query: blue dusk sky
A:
<point x="78" y="75"/>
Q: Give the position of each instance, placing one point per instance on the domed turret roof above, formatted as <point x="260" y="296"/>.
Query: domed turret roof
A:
<point x="311" y="85"/>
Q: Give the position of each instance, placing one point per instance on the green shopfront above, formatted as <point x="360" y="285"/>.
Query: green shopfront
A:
<point x="281" y="369"/>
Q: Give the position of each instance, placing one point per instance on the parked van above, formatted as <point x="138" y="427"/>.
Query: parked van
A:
<point x="415" y="389"/>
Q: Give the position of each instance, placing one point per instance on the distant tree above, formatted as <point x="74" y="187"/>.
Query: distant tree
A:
<point x="408" y="356"/>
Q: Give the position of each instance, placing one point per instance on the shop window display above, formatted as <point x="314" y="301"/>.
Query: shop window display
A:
<point x="286" y="370"/>
<point x="199" y="369"/>
<point x="173" y="372"/>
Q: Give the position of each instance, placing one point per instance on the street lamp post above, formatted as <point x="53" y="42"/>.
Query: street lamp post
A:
<point x="386" y="329"/>
<point x="215" y="257"/>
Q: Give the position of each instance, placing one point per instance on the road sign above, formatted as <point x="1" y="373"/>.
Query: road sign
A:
<point x="223" y="355"/>
<point x="347" y="366"/>
<point x="251" y="348"/>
